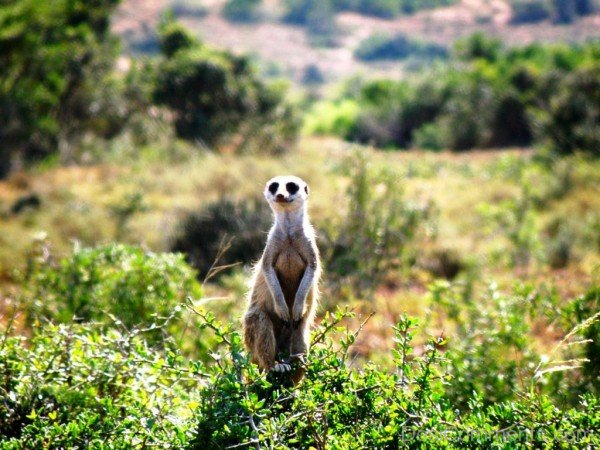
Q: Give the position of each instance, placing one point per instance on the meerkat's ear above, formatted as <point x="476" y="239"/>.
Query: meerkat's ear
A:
<point x="306" y="188"/>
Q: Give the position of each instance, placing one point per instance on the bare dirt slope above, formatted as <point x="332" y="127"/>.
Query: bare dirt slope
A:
<point x="289" y="48"/>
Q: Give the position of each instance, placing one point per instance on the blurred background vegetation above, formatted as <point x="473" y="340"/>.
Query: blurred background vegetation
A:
<point x="452" y="151"/>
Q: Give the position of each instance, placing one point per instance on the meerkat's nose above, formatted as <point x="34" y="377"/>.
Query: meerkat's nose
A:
<point x="280" y="196"/>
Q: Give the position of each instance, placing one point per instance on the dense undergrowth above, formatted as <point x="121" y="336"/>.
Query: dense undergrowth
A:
<point x="98" y="383"/>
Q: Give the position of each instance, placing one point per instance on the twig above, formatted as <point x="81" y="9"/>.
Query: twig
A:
<point x="9" y="325"/>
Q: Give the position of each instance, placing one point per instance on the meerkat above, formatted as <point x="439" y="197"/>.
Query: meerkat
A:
<point x="284" y="289"/>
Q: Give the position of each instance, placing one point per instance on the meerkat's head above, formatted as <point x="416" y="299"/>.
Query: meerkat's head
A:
<point x="286" y="193"/>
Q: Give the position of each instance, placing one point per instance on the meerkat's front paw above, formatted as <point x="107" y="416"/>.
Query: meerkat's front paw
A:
<point x="282" y="313"/>
<point x="281" y="367"/>
<point x="298" y="311"/>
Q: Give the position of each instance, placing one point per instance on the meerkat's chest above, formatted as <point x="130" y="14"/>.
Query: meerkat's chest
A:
<point x="290" y="262"/>
<point x="290" y="267"/>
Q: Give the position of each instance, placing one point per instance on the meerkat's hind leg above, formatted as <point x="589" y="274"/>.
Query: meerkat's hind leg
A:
<point x="299" y="350"/>
<point x="299" y="341"/>
<point x="259" y="338"/>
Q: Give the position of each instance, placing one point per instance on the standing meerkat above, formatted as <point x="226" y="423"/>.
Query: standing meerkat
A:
<point x="284" y="292"/>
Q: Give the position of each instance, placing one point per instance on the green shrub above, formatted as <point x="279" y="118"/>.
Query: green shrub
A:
<point x="338" y="407"/>
<point x="380" y="230"/>
<point x="392" y="112"/>
<point x="312" y="75"/>
<point x="224" y="233"/>
<point x="173" y="37"/>
<point x="317" y="15"/>
<point x="332" y="118"/>
<point x="570" y="116"/>
<point x="380" y="8"/>
<point x="443" y="263"/>
<point x="56" y="60"/>
<point x="137" y="287"/>
<point x="411" y="6"/>
<point x="241" y="10"/>
<point x="74" y="386"/>
<point x="188" y="8"/>
<point x="486" y="97"/>
<point x="564" y="11"/>
<point x="559" y="248"/>
<point x="428" y="137"/>
<point x="381" y="46"/>
<point x="490" y="350"/>
<point x="299" y="11"/>
<point x="515" y="219"/>
<point x="561" y="11"/>
<point x="478" y="46"/>
<point x="528" y="11"/>
<point x="579" y="311"/>
<point x="216" y="98"/>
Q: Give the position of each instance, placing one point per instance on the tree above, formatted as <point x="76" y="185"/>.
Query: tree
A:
<point x="55" y="57"/>
<point x="216" y="95"/>
<point x="571" y="118"/>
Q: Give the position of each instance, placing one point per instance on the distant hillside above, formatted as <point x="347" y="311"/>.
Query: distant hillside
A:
<point x="287" y="49"/>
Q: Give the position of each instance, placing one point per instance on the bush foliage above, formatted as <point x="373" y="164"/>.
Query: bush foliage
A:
<point x="217" y="98"/>
<point x="381" y="47"/>
<point x="224" y="233"/>
<point x="486" y="96"/>
<point x="298" y="11"/>
<point x="72" y="385"/>
<point x="60" y="87"/>
<point x="108" y="283"/>
<point x="56" y="60"/>
<point x="560" y="11"/>
<point x="380" y="232"/>
<point x="241" y="10"/>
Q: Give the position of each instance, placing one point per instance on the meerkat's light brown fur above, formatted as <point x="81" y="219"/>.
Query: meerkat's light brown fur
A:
<point x="284" y="292"/>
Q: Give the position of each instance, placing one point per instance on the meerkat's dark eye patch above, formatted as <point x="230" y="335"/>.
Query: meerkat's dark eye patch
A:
<point x="273" y="187"/>
<point x="292" y="188"/>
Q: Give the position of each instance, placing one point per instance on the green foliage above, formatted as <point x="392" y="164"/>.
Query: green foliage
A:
<point x="332" y="118"/>
<point x="381" y="8"/>
<point x="338" y="407"/>
<point x="299" y="11"/>
<point x="486" y="96"/>
<point x="216" y="96"/>
<point x="81" y="385"/>
<point x="579" y="311"/>
<point x="528" y="11"/>
<point x="381" y="46"/>
<point x="490" y="349"/>
<point x="561" y="11"/>
<point x="478" y="46"/>
<point x="224" y="233"/>
<point x="56" y="59"/>
<point x="189" y="8"/>
<point x="392" y="113"/>
<point x="74" y="386"/>
<point x="570" y="117"/>
<point x="380" y="230"/>
<point x="125" y="210"/>
<point x="318" y="17"/>
<point x="241" y="10"/>
<point x="173" y="37"/>
<point x="515" y="218"/>
<point x="136" y="287"/>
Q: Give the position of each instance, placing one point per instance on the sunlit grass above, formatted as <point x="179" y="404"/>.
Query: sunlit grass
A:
<point x="79" y="204"/>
